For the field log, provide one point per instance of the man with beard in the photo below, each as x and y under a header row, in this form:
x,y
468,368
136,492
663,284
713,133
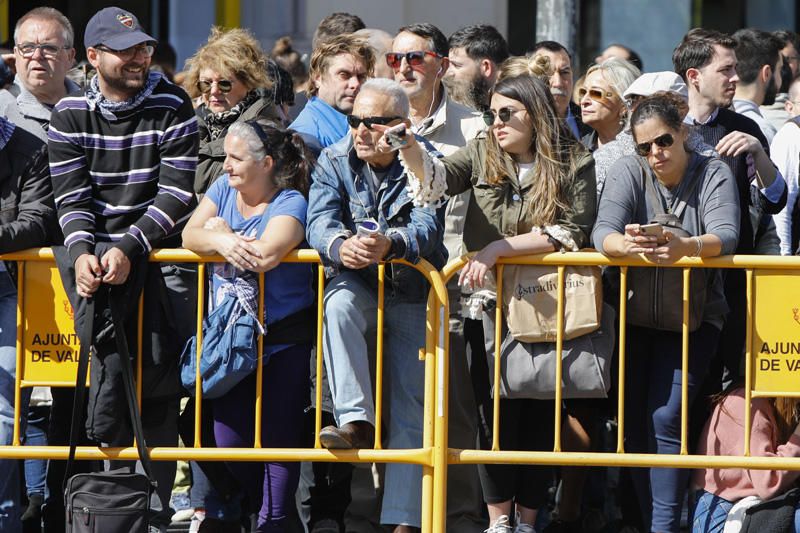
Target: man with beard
x,y
122,161
759,69
561,84
475,56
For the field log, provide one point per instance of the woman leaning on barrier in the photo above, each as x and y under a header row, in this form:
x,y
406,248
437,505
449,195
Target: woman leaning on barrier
x,y
725,493
228,76
253,215
533,191
693,199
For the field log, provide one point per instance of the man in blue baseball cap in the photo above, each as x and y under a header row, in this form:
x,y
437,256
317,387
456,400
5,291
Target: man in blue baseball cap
x,y
120,50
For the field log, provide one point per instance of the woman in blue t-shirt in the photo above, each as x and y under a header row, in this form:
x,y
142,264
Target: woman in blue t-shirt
x,y
253,216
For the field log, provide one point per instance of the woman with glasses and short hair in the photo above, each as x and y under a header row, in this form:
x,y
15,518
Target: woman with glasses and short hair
x,y
602,105
229,75
700,192
533,192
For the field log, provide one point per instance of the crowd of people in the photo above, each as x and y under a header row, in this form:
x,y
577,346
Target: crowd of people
x,y
408,146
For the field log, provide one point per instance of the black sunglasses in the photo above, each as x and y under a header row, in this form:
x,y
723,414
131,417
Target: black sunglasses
x,y
414,58
662,141
354,121
504,113
204,86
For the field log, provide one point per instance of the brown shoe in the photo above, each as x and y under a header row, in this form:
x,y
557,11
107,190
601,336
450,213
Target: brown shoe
x,y
358,434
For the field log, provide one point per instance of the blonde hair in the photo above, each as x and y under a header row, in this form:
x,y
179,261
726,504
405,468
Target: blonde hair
x,y
555,150
234,52
538,66
619,73
341,44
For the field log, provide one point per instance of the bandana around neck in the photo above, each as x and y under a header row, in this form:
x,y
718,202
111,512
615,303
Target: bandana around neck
x,y
110,108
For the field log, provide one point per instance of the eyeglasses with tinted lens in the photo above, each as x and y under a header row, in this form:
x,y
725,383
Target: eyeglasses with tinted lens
x,y
504,114
129,53
224,86
354,121
662,141
414,59
49,51
595,94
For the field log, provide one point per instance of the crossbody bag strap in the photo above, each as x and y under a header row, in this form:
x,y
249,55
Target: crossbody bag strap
x,y
649,187
687,193
85,336
117,316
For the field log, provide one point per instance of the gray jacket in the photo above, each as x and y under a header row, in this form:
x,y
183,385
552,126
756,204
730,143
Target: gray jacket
x,y
22,108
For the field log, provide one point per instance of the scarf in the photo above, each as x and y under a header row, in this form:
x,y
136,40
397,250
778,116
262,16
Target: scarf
x,y
6,131
109,108
217,123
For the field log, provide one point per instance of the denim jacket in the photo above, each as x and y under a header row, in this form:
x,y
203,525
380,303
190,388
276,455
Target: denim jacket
x,y
341,197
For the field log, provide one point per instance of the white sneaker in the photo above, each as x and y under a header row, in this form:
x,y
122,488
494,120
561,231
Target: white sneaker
x,y
197,519
501,525
523,528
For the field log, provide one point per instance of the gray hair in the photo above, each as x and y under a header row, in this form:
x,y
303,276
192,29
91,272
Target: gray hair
x,y
52,14
620,73
246,132
391,90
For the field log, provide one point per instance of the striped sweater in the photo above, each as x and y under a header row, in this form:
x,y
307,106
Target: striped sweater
x,y
124,178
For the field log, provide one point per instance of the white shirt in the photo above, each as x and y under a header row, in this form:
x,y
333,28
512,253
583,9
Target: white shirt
x,y
785,153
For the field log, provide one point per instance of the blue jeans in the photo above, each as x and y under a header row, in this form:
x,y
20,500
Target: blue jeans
x,y
36,435
653,413
350,320
711,511
9,473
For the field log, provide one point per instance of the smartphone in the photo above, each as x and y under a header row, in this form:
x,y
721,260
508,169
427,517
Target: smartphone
x,y
652,230
368,228
396,136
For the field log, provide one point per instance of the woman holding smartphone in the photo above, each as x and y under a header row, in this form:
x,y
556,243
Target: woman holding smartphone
x,y
534,192
623,227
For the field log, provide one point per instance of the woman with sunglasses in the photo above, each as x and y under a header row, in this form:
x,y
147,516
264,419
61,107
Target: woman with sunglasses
x,y
253,216
602,106
533,191
710,220
229,75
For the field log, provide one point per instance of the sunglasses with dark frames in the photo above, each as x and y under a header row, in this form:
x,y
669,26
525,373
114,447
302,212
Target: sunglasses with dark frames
x,y
414,58
595,94
504,114
354,121
224,86
662,141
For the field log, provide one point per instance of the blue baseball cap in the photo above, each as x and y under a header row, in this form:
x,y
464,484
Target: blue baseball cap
x,y
115,28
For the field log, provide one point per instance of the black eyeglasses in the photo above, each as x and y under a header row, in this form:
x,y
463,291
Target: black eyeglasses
x,y
224,86
49,51
595,94
504,114
414,58
129,53
354,121
662,141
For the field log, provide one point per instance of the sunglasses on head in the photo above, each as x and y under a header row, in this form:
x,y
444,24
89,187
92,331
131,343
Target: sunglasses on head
x,y
414,58
595,94
662,141
224,86
354,121
504,114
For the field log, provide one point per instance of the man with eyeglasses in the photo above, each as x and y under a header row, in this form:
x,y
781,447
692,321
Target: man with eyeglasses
x,y
360,214
122,160
420,60
43,53
338,68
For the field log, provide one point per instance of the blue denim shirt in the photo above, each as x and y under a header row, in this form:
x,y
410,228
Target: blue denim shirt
x,y
341,197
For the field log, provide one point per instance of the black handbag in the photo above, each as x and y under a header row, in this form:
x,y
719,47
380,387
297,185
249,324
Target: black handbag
x,y
117,500
655,294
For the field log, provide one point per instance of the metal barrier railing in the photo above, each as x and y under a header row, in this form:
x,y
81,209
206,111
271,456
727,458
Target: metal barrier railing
x,y
620,458
422,456
434,456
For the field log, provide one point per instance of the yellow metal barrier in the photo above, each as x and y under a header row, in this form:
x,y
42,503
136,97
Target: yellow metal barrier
x,y
422,456
753,265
